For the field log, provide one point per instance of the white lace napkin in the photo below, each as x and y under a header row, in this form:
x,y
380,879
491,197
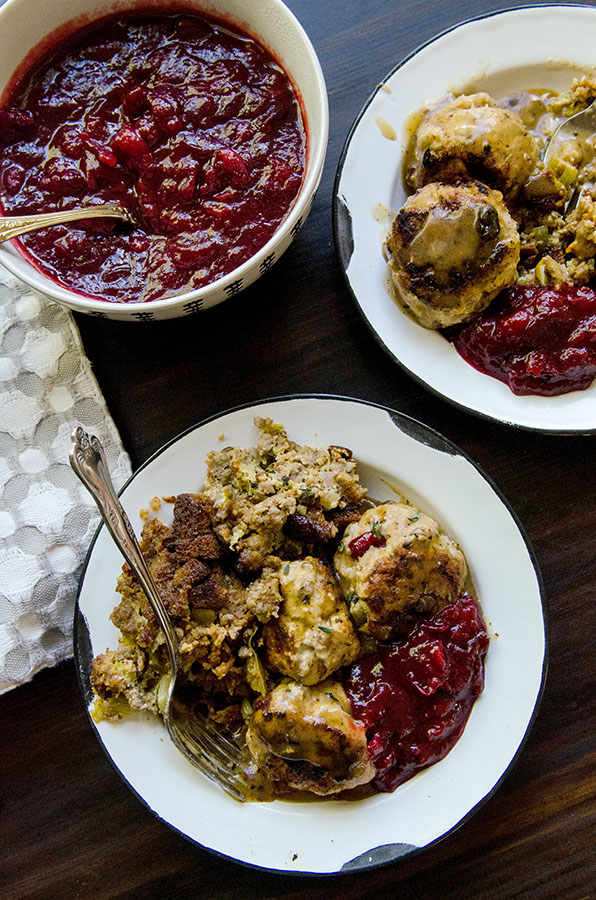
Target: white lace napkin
x,y
47,518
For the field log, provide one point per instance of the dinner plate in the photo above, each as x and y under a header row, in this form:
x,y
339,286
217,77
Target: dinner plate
x,y
529,47
396,455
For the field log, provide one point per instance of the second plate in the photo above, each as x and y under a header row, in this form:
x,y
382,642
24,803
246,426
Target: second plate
x,y
529,47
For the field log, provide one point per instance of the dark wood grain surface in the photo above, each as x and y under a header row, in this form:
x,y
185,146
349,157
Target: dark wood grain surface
x,y
70,828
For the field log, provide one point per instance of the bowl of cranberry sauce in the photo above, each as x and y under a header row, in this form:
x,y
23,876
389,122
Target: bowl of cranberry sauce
x,y
209,128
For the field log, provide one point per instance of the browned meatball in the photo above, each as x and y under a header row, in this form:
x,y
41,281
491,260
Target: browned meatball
x,y
304,738
472,138
452,249
409,569
313,634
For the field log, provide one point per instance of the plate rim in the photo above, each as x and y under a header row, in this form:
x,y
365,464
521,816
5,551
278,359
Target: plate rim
x,y
440,442
339,229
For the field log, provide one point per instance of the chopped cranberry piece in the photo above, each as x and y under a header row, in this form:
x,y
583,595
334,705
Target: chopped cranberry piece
x,y
165,111
199,109
12,178
60,178
148,129
233,165
359,545
135,101
103,153
428,666
131,148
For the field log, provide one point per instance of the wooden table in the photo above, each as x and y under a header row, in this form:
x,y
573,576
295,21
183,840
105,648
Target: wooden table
x,y
70,827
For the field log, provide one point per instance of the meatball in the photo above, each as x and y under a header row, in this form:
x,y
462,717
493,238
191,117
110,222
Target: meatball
x,y
313,634
304,738
472,138
396,566
451,250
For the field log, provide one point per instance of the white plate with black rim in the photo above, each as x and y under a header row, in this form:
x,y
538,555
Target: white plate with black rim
x,y
528,47
393,453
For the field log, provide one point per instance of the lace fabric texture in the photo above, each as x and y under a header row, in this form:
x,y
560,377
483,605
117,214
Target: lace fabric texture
x,y
47,518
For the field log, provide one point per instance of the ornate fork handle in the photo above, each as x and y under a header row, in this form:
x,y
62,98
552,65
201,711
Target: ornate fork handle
x,y
88,460
223,761
13,226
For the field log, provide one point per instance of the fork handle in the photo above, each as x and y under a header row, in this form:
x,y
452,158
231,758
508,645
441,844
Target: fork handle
x,y
14,226
88,460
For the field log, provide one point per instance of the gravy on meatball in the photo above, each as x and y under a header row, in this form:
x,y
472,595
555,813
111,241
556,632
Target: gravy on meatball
x,y
451,250
471,137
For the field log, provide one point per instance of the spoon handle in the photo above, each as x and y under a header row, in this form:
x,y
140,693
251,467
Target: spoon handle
x,y
87,458
13,226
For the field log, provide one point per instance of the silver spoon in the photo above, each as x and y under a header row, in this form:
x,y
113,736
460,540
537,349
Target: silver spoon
x,y
14,226
580,126
224,762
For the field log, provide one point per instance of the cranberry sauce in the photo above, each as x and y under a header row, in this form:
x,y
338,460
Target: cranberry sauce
x,y
538,340
415,697
195,129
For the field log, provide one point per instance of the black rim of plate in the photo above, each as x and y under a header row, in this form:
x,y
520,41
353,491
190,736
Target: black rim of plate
x,y
342,232
382,855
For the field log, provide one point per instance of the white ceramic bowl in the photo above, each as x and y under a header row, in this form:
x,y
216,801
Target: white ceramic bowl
x,y
22,28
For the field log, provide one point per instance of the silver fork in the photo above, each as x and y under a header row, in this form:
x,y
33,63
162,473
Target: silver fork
x,y
223,761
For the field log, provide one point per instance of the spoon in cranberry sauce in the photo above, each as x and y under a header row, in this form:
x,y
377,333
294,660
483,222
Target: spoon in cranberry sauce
x,y
14,226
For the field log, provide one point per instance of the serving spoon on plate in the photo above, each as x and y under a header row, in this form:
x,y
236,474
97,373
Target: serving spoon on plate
x,y
14,226
579,127
223,761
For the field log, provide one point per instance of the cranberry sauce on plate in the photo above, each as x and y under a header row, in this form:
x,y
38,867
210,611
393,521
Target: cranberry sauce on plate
x,y
538,340
415,697
195,129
